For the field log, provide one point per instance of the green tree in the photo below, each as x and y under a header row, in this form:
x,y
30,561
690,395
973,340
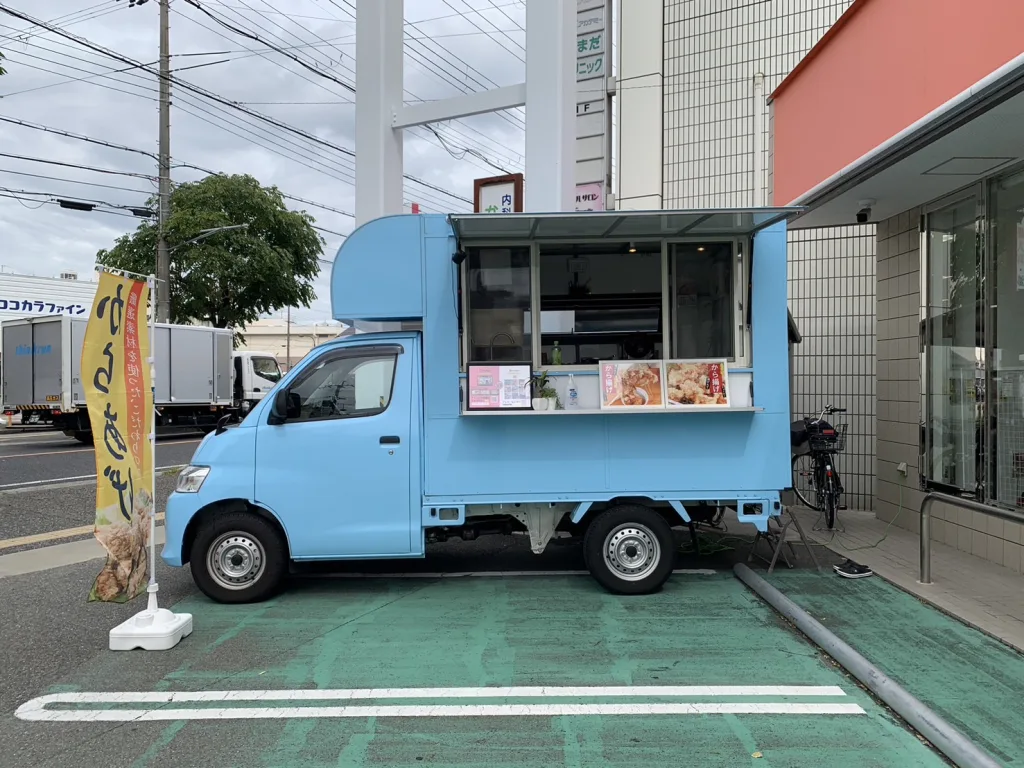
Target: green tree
x,y
231,278
1,65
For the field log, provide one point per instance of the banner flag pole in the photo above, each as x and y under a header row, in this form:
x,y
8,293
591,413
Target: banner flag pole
x,y
154,629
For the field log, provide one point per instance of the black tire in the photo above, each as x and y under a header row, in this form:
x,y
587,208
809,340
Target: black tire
x,y
801,474
254,546
831,501
638,527
85,438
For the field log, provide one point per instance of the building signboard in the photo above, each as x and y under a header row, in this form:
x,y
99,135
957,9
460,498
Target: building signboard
x,y
593,128
498,194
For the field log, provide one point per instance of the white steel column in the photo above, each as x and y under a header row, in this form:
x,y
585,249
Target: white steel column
x,y
379,86
550,105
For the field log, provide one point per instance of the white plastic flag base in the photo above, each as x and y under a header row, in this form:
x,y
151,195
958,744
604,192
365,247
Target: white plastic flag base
x,y
154,629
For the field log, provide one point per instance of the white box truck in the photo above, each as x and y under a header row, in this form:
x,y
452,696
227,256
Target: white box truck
x,y
199,379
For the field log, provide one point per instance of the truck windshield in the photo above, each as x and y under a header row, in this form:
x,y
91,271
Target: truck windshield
x,y
267,368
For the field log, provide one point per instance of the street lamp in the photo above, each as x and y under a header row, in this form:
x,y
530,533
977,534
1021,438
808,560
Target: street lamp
x,y
205,233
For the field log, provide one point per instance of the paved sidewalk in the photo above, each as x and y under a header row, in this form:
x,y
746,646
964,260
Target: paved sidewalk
x,y
970,679
980,593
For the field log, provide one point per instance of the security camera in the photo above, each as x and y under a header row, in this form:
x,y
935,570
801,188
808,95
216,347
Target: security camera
x,y
864,214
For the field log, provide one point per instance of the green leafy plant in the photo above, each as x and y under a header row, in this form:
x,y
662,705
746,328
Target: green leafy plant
x,y
2,72
542,388
230,278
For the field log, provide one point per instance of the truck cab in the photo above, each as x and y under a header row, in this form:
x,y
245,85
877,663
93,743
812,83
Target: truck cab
x,y
378,443
255,374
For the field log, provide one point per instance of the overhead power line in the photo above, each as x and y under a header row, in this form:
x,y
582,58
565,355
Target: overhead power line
x,y
92,168
209,94
52,197
73,181
258,39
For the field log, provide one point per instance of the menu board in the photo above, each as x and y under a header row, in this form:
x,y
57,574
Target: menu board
x,y
628,385
697,383
499,387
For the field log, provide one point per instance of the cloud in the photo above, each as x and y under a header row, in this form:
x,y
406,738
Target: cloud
x,y
121,108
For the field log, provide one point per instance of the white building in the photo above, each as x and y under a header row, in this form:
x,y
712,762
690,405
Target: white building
x,y
27,296
693,128
289,342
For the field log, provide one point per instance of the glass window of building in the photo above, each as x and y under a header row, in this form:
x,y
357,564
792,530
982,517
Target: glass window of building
x,y
1006,340
498,291
955,353
600,302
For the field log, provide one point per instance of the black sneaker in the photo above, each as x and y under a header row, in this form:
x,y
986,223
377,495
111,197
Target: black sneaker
x,y
852,570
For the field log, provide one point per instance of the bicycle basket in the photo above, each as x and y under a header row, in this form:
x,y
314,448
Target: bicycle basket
x,y
829,438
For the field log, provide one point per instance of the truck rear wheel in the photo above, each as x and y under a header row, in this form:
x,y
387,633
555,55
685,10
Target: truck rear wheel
x,y
629,550
238,557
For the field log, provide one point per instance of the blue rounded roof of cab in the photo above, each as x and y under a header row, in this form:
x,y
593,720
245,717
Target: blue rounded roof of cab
x,y
378,272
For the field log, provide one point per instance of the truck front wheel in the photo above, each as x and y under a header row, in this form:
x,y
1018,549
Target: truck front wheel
x,y
238,557
629,550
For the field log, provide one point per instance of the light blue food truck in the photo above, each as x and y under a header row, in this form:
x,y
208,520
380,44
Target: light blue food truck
x,y
607,376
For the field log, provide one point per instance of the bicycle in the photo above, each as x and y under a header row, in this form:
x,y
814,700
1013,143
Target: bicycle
x,y
815,472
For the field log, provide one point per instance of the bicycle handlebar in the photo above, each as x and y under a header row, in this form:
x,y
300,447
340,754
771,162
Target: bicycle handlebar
x,y
829,410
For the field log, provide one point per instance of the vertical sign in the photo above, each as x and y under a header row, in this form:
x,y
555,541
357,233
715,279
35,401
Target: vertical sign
x,y
117,381
593,111
498,194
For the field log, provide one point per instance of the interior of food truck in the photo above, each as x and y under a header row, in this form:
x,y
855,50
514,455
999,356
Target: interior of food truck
x,y
605,288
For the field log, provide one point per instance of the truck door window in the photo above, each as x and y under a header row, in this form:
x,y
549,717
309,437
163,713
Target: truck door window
x,y
345,387
266,368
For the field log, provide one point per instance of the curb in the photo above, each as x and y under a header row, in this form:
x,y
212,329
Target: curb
x,y
947,739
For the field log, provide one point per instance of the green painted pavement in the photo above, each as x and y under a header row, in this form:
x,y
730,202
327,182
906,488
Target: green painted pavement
x,y
477,632
973,681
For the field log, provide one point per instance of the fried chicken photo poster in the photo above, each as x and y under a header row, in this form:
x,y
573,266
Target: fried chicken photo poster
x,y
117,382
697,383
631,386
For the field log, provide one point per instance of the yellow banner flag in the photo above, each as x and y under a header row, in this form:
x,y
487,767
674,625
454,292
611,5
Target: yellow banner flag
x,y
116,377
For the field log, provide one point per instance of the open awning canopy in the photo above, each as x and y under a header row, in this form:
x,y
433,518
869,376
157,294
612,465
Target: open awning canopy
x,y
618,225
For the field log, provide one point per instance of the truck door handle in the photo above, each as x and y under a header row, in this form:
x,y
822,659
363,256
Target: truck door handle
x,y
390,440
255,389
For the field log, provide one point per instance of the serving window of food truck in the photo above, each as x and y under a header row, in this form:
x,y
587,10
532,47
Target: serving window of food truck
x,y
635,311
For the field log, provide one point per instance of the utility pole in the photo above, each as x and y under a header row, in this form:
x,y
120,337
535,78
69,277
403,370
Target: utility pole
x,y
163,254
288,340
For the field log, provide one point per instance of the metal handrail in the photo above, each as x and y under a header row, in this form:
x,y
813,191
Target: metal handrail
x,y
955,501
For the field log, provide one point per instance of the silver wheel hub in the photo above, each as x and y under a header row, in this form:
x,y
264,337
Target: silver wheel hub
x,y
236,560
632,552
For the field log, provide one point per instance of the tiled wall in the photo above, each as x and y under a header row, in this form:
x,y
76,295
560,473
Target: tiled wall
x,y
899,407
713,50
832,297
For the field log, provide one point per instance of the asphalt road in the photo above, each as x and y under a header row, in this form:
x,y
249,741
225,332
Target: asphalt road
x,y
34,458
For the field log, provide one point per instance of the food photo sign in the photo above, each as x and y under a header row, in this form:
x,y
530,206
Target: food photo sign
x,y
632,385
664,385
696,384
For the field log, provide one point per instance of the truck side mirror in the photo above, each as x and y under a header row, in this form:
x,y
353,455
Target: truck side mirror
x,y
287,405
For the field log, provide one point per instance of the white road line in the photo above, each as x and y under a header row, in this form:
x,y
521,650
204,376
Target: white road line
x,y
495,692
83,450
464,710
36,709
57,480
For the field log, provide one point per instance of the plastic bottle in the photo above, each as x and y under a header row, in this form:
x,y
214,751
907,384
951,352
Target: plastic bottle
x,y
574,396
556,355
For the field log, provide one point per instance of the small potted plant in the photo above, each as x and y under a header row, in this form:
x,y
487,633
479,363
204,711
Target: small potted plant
x,y
545,396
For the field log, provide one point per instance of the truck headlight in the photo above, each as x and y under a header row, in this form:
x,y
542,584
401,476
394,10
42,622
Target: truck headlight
x,y
191,479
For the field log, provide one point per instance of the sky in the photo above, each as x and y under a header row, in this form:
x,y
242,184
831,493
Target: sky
x,y
452,46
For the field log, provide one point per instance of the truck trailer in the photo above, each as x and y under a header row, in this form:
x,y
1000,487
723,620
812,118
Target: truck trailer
x,y
654,397
199,378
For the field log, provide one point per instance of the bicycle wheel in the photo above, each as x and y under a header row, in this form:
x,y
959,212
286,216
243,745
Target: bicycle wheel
x,y
804,480
831,501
